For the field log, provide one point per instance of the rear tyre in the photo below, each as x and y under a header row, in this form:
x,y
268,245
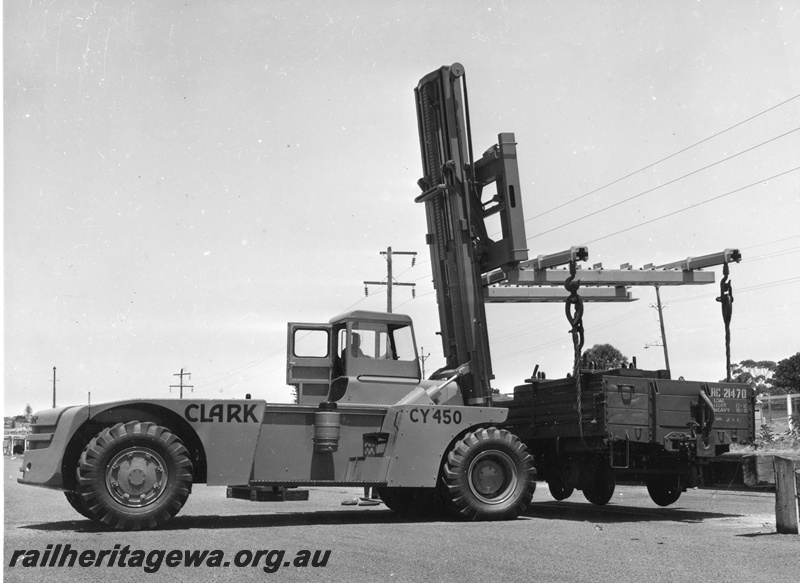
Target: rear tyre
x,y
488,475
134,476
393,498
598,487
411,501
665,489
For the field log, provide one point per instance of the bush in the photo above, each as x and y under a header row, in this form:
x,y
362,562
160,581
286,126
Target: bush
x,y
794,425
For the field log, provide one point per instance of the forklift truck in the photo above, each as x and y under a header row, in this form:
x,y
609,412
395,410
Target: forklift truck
x,y
365,416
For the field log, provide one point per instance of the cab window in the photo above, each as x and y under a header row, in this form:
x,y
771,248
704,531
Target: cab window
x,y
402,340
382,341
310,343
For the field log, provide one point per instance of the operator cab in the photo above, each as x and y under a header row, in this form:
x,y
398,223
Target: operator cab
x,y
358,357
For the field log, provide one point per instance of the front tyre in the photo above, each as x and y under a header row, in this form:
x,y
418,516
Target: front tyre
x,y
77,503
134,476
488,475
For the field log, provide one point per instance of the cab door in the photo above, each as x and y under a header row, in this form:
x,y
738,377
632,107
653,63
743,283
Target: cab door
x,y
309,361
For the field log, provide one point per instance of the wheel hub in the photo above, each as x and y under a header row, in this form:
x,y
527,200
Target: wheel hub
x,y
135,477
488,478
492,477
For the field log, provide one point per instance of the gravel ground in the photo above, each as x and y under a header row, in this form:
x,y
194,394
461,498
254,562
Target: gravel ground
x,y
708,535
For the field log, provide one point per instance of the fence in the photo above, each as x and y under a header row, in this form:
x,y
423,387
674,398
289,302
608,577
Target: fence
x,y
777,408
14,444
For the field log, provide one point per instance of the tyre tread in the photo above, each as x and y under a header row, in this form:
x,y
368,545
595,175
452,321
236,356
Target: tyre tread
x,y
90,480
457,496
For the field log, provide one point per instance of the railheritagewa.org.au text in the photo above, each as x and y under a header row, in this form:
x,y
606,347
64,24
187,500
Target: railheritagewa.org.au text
x,y
57,556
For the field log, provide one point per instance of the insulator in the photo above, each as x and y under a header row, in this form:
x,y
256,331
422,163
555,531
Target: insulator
x,y
366,291
413,260
413,292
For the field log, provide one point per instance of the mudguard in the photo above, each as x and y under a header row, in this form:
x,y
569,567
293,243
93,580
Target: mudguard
x,y
417,431
226,431
52,431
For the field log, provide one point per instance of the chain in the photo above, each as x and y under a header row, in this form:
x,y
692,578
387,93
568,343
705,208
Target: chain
x,y
726,299
574,311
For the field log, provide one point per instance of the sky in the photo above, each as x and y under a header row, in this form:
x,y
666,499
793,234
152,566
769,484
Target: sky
x,y
183,179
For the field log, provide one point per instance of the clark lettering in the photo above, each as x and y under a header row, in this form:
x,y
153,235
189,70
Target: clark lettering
x,y
220,413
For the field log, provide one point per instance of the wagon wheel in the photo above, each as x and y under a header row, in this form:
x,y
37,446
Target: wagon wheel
x,y
557,483
665,490
488,475
598,485
133,476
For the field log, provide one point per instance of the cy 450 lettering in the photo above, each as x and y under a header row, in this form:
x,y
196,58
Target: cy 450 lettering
x,y
442,416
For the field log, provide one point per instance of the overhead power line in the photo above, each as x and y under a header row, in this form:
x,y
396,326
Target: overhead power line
x,y
694,205
712,136
740,290
773,242
209,381
693,172
778,253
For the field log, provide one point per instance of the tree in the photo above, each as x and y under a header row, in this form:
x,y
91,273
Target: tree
x,y
28,411
786,379
756,373
604,357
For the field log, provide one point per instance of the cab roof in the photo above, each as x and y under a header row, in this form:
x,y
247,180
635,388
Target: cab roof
x,y
366,315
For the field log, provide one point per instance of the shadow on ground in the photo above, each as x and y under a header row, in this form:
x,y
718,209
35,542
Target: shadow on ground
x,y
613,513
267,520
569,511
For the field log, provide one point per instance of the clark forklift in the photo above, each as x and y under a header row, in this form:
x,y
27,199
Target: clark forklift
x,y
365,416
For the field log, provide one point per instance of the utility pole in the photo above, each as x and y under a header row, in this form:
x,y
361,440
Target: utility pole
x,y
54,387
661,323
181,385
422,358
389,283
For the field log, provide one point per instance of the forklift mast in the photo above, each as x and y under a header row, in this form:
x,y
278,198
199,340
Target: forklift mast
x,y
462,250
